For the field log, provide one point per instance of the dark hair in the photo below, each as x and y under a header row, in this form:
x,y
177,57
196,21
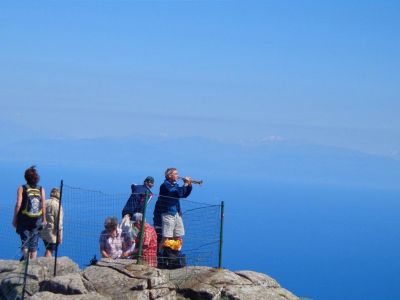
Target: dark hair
x,y
149,179
111,223
31,176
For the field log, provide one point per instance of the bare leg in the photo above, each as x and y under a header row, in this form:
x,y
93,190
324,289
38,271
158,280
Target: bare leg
x,y
33,254
25,252
47,253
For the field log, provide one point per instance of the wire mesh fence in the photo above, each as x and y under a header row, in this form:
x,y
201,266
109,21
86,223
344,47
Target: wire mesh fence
x,y
84,214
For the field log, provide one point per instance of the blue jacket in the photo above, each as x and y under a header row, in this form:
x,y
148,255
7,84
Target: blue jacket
x,y
135,203
168,200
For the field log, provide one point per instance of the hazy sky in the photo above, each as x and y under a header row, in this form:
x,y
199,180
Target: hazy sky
x,y
315,71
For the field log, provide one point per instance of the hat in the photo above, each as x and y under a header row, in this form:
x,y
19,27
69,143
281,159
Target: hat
x,y
149,179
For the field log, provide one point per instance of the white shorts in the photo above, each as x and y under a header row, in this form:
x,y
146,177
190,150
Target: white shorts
x,y
172,226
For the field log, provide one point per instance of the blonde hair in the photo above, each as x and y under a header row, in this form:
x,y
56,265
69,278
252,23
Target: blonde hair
x,y
55,193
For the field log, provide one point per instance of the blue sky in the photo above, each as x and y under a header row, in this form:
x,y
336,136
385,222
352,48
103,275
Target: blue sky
x,y
324,73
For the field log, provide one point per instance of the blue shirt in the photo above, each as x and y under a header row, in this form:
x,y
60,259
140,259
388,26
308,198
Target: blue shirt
x,y
168,201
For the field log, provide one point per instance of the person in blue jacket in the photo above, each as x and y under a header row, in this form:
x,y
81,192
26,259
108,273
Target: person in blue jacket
x,y
167,215
136,201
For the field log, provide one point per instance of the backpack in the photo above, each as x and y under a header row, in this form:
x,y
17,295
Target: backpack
x,y
171,259
32,201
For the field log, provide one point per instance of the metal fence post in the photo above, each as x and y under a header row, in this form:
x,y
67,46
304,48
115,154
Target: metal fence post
x,y
141,234
25,276
58,228
221,231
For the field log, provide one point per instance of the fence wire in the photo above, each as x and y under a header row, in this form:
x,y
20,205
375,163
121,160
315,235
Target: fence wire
x,y
85,212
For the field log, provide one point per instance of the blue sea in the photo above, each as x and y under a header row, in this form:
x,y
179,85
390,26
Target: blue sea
x,y
318,241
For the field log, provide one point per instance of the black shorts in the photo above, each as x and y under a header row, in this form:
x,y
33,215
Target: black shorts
x,y
50,246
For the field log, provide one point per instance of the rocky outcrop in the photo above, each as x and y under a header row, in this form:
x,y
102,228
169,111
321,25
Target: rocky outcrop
x,y
123,279
209,283
11,275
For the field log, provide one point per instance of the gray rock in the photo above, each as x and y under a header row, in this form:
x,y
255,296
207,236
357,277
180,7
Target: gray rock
x,y
159,282
223,284
11,286
11,278
180,276
255,293
209,283
7,266
115,284
259,279
51,296
12,282
69,284
201,291
124,279
115,263
162,294
88,285
12,272
46,264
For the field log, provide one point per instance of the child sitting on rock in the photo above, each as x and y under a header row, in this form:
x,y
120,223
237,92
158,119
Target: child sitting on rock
x,y
112,243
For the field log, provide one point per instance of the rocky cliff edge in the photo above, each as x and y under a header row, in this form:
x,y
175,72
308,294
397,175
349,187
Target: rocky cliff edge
x,y
122,279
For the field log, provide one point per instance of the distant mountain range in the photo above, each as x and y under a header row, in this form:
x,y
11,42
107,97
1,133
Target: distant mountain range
x,y
272,160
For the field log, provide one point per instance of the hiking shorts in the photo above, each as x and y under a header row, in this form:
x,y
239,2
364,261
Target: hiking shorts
x,y
30,240
50,246
172,225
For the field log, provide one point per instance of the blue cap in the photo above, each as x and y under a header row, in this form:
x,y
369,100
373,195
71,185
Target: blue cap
x,y
149,179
